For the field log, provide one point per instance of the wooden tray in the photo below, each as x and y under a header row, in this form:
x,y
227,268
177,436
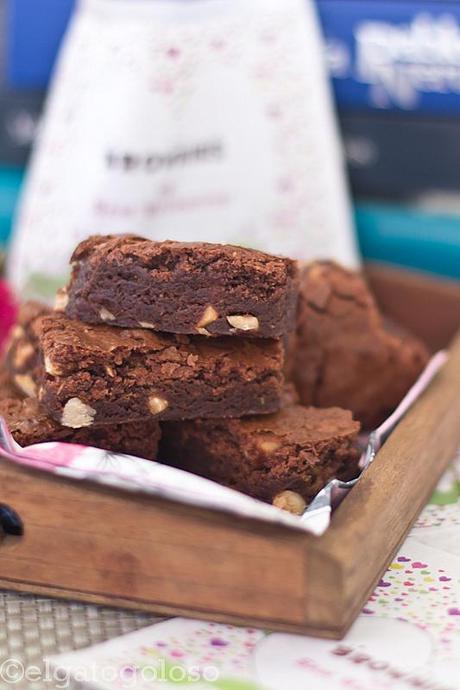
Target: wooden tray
x,y
102,545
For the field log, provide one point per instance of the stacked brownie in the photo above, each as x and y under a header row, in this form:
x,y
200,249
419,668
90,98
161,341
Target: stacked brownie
x,y
30,422
108,354
188,341
190,336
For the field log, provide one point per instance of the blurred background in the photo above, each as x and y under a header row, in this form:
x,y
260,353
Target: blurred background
x,y
395,73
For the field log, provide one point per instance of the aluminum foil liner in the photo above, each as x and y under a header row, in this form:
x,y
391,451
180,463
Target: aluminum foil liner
x,y
318,513
83,463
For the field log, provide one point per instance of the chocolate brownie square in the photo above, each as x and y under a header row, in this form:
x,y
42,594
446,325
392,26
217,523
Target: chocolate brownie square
x,y
89,375
29,423
177,287
298,449
344,354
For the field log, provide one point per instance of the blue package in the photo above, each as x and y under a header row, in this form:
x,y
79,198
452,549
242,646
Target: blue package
x,y
34,32
394,55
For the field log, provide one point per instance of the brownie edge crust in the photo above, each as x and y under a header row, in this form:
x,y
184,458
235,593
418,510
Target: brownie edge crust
x,y
180,287
298,449
102,375
29,423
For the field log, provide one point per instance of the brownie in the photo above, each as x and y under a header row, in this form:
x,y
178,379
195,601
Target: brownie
x,y
344,354
29,423
89,375
177,287
298,449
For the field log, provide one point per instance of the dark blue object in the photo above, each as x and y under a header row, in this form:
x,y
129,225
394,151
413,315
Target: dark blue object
x,y
396,156
34,32
10,521
395,55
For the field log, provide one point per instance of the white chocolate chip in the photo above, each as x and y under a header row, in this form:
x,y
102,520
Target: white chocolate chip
x,y
156,404
17,332
146,324
268,445
290,501
77,414
51,368
23,352
209,316
203,331
106,315
110,371
244,322
26,384
62,299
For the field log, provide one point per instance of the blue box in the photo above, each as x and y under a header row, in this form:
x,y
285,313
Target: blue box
x,y
394,55
34,32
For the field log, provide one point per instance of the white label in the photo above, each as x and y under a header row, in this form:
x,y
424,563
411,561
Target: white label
x,y
208,120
